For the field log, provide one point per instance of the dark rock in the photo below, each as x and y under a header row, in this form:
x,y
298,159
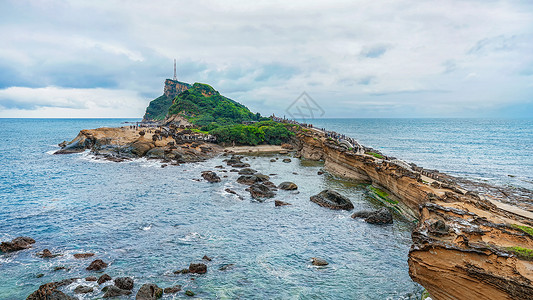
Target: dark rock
x,y
39,275
182,271
113,291
272,160
149,291
198,268
380,216
125,283
91,278
189,293
20,243
318,261
172,290
210,176
83,289
288,186
104,278
286,160
280,203
332,200
240,165
319,172
49,292
247,171
219,167
97,265
61,268
47,254
260,191
251,179
206,258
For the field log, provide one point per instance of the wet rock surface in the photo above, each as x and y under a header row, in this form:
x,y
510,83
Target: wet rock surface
x,y
211,176
125,283
104,278
260,191
113,291
281,203
381,216
332,200
149,291
199,268
288,186
97,265
19,243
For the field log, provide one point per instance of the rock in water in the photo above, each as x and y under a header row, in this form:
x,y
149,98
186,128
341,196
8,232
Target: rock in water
x,y
210,176
280,203
97,265
83,289
332,200
104,278
318,261
113,291
149,291
172,290
49,292
206,258
260,191
380,216
47,254
288,186
286,160
91,278
125,283
198,268
247,171
20,243
83,255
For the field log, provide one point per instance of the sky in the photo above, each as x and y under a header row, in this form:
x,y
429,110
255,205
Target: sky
x,y
354,59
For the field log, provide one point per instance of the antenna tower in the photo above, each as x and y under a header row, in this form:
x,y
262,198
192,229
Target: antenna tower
x,y
175,77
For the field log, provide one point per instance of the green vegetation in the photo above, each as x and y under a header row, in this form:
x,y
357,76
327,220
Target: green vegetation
x,y
376,155
158,108
521,252
382,195
268,132
206,108
525,229
425,295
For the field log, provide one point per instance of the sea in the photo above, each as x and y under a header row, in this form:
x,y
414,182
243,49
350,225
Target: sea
x,y
147,221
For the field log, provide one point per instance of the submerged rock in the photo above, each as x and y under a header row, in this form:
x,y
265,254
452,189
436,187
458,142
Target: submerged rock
x,y
19,243
198,268
97,265
286,160
104,278
288,186
125,283
189,293
319,261
247,171
207,258
251,179
49,291
380,216
113,291
47,254
280,203
91,278
226,267
210,176
172,290
83,255
149,291
260,191
83,289
332,200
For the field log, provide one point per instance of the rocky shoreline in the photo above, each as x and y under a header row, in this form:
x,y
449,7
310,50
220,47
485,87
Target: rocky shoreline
x,y
465,235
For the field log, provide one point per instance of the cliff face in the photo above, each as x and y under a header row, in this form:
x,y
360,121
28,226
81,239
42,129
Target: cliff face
x,y
174,88
465,246
157,110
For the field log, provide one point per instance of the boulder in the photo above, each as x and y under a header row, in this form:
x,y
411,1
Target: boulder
x,y
104,278
172,290
198,268
380,216
113,291
247,171
49,291
156,153
280,203
189,293
83,289
210,176
125,283
318,261
91,278
286,160
149,291
288,186
20,243
47,254
97,265
332,200
83,255
260,191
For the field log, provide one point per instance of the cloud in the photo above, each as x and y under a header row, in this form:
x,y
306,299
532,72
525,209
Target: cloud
x,y
79,102
265,54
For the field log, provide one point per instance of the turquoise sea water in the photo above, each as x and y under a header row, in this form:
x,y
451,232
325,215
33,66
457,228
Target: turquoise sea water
x,y
148,221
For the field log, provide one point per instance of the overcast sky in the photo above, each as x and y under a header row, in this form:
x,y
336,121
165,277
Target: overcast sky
x,y
367,58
